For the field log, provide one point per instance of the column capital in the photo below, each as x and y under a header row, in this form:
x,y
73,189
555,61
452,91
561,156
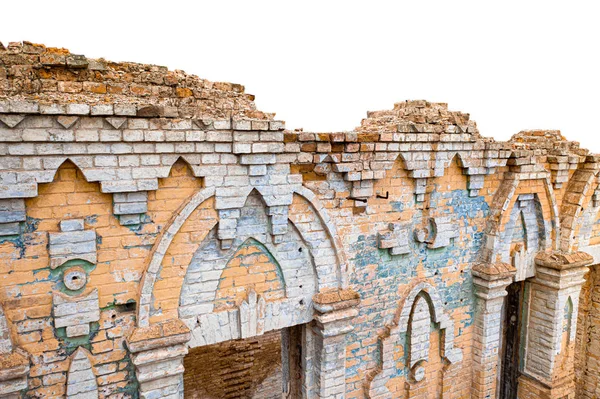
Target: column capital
x,y
157,354
491,279
561,270
489,272
162,335
334,311
563,261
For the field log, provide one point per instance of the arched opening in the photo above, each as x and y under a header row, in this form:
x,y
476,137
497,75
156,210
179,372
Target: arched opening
x,y
425,355
512,331
424,334
248,307
525,234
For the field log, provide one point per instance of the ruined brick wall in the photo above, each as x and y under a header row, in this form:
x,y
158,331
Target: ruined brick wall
x,y
248,368
151,221
55,76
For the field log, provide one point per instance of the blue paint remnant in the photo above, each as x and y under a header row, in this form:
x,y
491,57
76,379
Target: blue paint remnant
x,y
397,206
31,224
378,276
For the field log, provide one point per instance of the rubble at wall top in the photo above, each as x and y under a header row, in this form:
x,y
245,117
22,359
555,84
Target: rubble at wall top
x,y
419,116
35,74
55,76
551,140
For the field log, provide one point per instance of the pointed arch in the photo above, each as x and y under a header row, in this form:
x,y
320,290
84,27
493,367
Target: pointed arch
x,y
226,288
173,159
49,175
420,290
343,270
568,320
331,269
502,216
576,199
180,159
443,160
160,250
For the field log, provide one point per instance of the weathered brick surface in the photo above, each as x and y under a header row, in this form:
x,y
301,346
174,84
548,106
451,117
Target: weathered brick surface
x,y
146,213
32,71
249,368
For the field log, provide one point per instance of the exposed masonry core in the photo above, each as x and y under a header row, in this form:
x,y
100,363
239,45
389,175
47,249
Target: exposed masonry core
x,y
249,368
160,237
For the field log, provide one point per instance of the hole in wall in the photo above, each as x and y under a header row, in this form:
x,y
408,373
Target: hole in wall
x,y
126,307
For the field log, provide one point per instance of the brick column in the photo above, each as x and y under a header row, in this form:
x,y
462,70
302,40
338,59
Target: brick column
x,y
490,282
548,370
333,320
157,353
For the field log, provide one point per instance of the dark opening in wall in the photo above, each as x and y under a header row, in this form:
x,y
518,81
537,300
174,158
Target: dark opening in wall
x,y
245,369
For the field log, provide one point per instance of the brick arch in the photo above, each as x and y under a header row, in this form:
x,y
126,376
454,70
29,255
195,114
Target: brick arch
x,y
501,209
537,236
278,281
153,268
254,254
576,199
342,270
410,165
160,249
386,364
589,218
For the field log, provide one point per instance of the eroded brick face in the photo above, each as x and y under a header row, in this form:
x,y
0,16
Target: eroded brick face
x,y
248,368
162,238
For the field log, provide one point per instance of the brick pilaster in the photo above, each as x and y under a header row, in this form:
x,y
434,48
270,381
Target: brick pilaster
x,y
335,311
548,365
158,353
490,281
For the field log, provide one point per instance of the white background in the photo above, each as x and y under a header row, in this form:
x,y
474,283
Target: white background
x,y
321,65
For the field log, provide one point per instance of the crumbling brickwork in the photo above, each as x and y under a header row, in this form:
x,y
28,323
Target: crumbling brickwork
x,y
248,368
157,230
